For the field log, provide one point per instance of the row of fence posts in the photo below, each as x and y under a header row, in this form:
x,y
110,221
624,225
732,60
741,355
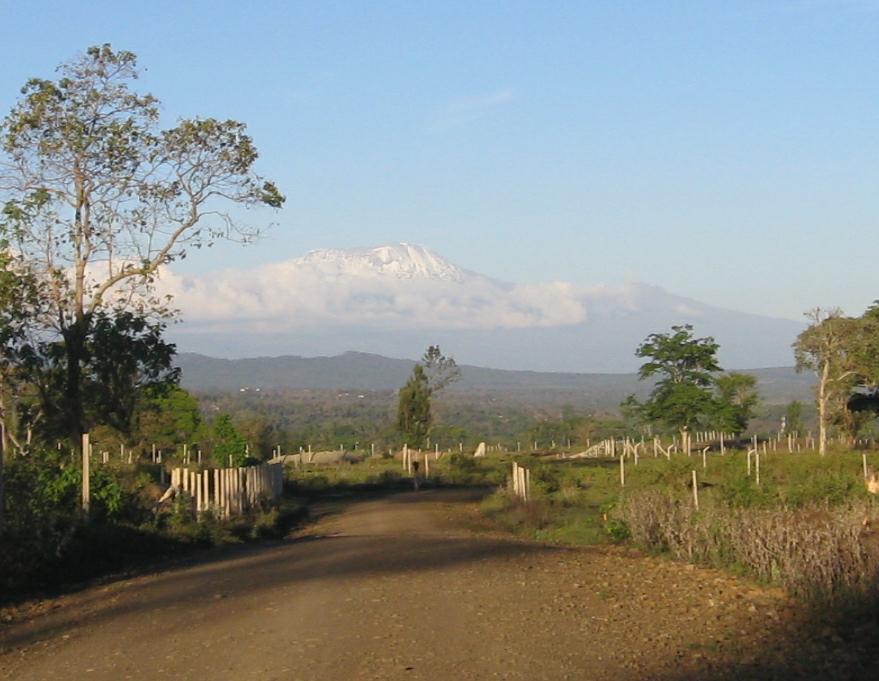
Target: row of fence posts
x,y
608,447
411,459
612,447
230,491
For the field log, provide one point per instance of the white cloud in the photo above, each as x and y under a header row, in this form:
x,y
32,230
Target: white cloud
x,y
296,294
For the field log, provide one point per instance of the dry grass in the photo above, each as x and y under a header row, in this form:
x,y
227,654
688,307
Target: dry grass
x,y
822,552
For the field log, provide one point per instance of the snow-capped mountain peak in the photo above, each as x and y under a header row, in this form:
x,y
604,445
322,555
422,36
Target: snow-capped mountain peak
x,y
401,261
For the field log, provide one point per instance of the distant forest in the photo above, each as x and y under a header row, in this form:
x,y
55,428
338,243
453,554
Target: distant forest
x,y
328,419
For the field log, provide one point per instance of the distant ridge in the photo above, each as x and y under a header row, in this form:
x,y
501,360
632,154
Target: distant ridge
x,y
371,372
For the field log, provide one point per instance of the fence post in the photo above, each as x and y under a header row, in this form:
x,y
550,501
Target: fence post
x,y
695,491
757,471
216,505
198,500
86,474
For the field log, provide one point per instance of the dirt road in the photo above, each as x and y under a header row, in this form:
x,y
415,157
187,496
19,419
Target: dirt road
x,y
411,587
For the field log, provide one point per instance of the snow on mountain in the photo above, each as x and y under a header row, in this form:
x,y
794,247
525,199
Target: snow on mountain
x,y
403,261
398,299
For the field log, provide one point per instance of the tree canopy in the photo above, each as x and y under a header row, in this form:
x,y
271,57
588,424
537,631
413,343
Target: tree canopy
x,y
684,366
441,371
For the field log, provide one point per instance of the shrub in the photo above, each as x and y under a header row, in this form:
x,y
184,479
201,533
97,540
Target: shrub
x,y
617,529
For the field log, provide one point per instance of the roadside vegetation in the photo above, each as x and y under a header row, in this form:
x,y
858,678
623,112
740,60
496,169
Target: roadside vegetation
x,y
810,525
48,544
96,198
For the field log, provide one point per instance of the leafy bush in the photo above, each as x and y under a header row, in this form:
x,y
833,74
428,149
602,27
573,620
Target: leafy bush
x,y
617,529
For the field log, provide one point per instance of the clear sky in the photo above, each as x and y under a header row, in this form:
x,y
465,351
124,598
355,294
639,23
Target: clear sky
x,y
728,151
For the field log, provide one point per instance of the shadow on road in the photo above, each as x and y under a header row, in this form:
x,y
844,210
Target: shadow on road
x,y
816,644
242,573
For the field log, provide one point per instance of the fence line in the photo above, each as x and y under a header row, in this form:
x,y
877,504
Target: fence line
x,y
228,491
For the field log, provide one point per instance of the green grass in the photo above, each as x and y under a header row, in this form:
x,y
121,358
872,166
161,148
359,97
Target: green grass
x,y
574,500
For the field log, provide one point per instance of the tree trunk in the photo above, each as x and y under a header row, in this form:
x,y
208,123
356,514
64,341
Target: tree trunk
x,y
822,409
74,349
2,462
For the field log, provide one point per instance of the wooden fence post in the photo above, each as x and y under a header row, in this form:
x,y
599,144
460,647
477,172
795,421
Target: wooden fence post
x,y
86,475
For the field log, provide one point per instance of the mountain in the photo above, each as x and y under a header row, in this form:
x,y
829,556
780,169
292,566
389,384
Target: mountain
x,y
367,372
397,300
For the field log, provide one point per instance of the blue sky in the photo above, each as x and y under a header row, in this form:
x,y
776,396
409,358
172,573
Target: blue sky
x,y
728,151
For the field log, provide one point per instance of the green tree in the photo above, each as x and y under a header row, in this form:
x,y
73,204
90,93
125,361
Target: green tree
x,y
259,433
98,199
226,443
735,402
793,417
19,300
169,420
413,410
124,361
866,350
684,367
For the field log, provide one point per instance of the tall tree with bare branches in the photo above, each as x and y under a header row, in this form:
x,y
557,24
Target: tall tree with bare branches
x,y
829,348
97,197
